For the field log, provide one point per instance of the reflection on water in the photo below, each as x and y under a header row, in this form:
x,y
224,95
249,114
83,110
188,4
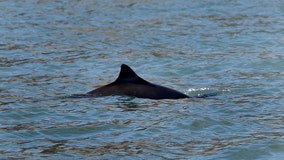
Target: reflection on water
x,y
50,50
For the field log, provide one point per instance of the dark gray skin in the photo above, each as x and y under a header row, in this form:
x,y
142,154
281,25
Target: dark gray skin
x,y
129,83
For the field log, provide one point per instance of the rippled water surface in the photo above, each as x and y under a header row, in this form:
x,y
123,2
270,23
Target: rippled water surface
x,y
52,49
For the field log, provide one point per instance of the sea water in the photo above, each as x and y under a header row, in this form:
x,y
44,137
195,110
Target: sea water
x,y
52,49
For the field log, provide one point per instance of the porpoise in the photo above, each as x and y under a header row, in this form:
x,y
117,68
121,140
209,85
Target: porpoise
x,y
128,83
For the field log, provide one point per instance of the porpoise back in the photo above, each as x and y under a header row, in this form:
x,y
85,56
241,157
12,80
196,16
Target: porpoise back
x,y
128,83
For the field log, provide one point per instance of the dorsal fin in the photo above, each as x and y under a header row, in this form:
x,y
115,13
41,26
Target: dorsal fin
x,y
127,75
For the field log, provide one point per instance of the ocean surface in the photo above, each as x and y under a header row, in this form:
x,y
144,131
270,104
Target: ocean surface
x,y
50,50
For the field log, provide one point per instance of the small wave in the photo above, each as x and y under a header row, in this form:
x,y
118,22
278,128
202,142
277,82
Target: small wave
x,y
205,92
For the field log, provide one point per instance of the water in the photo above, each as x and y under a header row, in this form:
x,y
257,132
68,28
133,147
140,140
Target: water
x,y
52,49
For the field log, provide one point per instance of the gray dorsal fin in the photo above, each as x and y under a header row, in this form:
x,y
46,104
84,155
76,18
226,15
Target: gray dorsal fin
x,y
127,75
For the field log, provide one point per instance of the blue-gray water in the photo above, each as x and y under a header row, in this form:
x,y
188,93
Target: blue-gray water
x,y
52,49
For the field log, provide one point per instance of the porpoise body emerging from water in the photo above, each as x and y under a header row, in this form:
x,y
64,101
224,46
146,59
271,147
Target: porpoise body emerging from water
x,y
129,83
